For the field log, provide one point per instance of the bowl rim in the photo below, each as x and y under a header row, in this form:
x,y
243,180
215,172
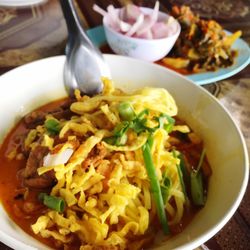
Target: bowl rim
x,y
13,242
144,40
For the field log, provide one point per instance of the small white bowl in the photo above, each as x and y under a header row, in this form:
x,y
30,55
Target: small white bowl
x,y
140,48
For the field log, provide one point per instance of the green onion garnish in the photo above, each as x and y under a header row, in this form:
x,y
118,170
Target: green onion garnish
x,y
126,111
155,187
52,126
196,182
53,202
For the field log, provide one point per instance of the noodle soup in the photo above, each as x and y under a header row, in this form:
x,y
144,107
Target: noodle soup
x,y
108,172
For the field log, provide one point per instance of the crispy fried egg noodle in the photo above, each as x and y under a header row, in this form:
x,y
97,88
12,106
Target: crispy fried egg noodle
x,y
107,194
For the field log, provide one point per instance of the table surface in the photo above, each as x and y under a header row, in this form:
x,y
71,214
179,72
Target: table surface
x,y
34,32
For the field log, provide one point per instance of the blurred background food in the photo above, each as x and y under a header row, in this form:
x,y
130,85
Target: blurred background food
x,y
203,45
39,31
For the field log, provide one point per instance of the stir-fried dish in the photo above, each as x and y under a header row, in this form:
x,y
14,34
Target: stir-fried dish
x,y
203,45
103,172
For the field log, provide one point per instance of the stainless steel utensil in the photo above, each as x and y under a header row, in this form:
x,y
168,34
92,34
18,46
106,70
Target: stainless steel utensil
x,y
84,64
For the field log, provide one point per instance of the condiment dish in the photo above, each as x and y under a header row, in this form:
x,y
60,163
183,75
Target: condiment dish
x,y
141,48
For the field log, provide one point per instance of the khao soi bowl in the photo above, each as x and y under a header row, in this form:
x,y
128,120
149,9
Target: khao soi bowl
x,y
30,86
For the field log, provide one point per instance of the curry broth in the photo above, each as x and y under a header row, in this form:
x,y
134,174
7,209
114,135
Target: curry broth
x,y
12,189
11,186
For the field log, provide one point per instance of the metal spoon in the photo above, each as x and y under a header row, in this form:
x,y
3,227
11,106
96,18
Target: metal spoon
x,y
84,64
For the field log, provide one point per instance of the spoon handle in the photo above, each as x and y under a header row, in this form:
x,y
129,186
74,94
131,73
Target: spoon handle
x,y
70,15
73,23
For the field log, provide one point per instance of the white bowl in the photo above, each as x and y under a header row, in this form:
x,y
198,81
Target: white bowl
x,y
145,49
27,87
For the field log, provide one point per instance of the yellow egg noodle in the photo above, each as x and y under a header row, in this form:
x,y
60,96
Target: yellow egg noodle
x,y
112,193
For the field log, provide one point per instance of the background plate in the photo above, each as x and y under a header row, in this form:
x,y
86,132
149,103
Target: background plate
x,y
15,3
97,36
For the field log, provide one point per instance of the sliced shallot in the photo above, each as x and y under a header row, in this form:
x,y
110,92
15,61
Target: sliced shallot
x,y
132,21
58,158
150,20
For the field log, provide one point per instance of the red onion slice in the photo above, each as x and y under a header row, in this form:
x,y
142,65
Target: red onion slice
x,y
132,21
